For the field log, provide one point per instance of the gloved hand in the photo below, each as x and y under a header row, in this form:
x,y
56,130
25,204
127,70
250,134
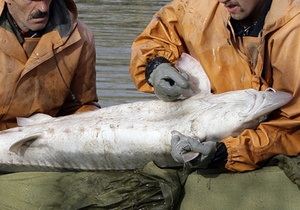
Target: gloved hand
x,y
190,150
168,83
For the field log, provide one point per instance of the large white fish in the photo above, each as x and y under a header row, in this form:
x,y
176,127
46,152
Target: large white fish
x,y
128,136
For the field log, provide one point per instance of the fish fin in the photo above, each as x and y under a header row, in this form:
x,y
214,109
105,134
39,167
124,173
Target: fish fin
x,y
198,78
21,146
34,119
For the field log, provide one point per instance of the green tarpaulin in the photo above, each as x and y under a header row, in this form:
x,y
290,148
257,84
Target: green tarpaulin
x,y
149,188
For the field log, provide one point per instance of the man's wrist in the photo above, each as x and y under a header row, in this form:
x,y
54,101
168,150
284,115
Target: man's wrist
x,y
220,158
151,65
218,161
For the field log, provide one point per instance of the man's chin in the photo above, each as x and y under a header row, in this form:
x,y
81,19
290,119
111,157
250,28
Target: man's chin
x,y
37,27
236,17
239,16
38,24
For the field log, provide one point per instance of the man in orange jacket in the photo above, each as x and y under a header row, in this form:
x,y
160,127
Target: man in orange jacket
x,y
47,60
241,44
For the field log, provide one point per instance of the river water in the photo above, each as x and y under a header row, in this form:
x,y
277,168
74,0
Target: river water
x,y
115,24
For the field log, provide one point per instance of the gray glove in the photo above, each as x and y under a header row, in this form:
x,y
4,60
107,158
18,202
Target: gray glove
x,y
190,150
168,83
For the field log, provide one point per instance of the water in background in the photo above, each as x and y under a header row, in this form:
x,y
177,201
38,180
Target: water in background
x,y
116,23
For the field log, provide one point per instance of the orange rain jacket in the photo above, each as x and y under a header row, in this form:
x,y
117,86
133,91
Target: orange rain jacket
x,y
202,29
38,83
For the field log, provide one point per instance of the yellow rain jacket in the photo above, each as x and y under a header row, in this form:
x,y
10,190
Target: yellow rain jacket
x,y
202,29
62,62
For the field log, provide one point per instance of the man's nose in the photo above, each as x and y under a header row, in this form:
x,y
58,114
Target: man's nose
x,y
223,1
43,6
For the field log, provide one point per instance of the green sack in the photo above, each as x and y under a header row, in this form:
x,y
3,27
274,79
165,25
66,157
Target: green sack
x,y
149,188
290,165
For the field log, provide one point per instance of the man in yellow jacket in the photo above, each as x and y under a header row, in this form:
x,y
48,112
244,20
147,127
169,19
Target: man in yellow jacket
x,y
241,44
47,58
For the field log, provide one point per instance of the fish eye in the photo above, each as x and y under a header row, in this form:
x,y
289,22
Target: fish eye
x,y
270,89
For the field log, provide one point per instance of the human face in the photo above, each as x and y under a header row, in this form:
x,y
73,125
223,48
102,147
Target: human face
x,y
247,10
29,14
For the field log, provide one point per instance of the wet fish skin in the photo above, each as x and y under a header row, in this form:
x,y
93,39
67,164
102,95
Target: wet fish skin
x,y
128,136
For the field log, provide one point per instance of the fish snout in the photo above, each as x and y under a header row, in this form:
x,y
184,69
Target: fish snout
x,y
277,98
264,102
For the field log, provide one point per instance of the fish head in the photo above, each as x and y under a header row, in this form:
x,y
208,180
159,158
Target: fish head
x,y
230,113
262,103
240,110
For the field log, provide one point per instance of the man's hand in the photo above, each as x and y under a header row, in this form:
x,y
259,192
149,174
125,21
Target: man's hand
x,y
168,83
185,149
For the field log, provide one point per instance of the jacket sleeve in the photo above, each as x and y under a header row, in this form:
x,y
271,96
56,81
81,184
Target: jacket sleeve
x,y
83,85
160,38
281,133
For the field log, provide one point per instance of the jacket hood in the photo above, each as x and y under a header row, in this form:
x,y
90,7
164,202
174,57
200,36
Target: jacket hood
x,y
280,13
71,7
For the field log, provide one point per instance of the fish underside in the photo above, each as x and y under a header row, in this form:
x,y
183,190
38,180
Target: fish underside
x,y
128,136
